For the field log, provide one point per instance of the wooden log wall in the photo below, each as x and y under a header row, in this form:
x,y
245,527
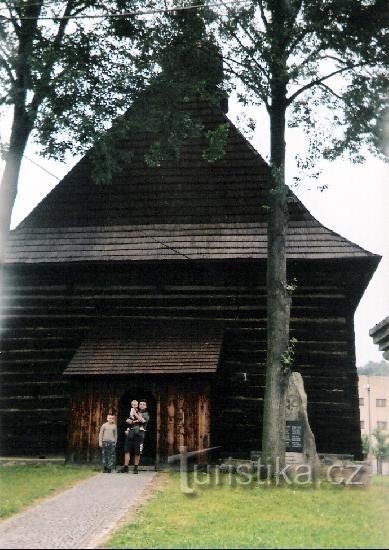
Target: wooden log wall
x,y
88,411
49,311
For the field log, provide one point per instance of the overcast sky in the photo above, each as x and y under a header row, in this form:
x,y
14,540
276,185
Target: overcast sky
x,y
355,205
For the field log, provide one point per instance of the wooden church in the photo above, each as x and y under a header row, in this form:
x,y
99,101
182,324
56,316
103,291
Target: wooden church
x,y
154,287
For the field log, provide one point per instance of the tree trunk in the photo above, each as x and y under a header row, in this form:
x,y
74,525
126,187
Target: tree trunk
x,y
23,119
20,132
278,297
21,128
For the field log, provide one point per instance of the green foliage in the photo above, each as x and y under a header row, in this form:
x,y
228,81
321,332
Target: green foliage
x,y
189,68
265,517
217,141
22,485
381,444
78,77
291,286
107,157
374,368
77,74
365,444
287,357
190,54
328,62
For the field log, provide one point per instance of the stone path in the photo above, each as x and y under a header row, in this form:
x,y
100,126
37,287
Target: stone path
x,y
78,517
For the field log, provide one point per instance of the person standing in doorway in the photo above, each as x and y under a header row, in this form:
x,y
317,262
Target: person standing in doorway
x,y
135,417
133,444
107,443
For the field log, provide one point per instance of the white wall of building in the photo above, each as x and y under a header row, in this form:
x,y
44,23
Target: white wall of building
x,y
374,407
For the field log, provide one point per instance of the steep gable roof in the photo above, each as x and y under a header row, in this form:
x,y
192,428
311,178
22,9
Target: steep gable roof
x,y
189,190
189,208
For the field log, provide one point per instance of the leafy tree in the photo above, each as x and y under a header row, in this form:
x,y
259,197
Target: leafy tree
x,y
308,62
69,77
365,444
380,447
66,74
373,368
191,67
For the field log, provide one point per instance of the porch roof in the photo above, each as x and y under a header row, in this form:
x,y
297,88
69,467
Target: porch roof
x,y
157,353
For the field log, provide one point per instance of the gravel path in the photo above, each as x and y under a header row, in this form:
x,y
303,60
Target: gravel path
x,y
78,517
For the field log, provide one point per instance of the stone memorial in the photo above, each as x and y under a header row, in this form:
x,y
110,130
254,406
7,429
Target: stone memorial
x,y
300,442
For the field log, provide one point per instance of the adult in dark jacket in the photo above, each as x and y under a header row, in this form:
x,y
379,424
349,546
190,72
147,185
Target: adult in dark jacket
x,y
135,437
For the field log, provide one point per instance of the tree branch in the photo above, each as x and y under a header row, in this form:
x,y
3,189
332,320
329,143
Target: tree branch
x,y
62,24
244,29
309,57
5,53
262,70
22,62
334,58
43,87
248,83
297,40
326,87
263,16
244,48
322,79
232,71
12,17
292,27
4,63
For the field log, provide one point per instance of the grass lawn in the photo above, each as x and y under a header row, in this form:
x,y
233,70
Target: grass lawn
x,y
261,517
22,485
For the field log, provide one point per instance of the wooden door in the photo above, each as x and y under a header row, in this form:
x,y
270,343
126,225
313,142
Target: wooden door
x,y
184,421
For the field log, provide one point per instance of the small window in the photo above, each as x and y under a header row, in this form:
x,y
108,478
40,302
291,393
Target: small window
x,y
380,402
361,402
362,424
382,425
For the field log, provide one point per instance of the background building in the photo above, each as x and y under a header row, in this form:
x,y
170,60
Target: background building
x,y
374,406
380,335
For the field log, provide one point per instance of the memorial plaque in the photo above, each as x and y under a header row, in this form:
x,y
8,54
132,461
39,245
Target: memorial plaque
x,y
294,436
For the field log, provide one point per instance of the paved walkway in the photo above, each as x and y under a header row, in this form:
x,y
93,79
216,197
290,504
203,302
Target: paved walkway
x,y
78,517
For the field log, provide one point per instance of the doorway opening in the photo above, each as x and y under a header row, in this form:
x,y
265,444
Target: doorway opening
x,y
148,457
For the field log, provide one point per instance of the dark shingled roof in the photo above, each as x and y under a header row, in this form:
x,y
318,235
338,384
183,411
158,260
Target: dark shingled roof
x,y
189,208
306,239
148,354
